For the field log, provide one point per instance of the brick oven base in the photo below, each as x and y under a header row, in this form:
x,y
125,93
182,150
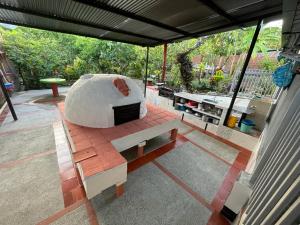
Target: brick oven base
x,y
100,164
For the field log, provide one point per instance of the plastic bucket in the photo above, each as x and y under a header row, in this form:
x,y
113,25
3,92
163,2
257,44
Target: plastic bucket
x,y
232,121
182,107
9,86
246,126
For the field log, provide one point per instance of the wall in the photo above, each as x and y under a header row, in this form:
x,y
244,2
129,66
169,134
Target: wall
x,y
234,136
283,103
262,107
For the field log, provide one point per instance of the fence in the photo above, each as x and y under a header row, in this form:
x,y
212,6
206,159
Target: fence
x,y
255,83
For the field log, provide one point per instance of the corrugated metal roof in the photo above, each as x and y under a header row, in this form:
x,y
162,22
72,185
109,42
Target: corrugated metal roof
x,y
291,28
141,22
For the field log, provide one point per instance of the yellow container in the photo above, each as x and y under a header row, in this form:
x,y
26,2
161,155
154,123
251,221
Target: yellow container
x,y
232,121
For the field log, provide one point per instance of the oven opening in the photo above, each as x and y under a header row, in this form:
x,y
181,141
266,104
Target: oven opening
x,y
126,113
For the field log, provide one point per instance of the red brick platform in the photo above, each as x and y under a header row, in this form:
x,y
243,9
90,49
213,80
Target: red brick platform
x,y
92,147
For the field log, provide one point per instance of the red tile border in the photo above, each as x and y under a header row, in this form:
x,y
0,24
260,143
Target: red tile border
x,y
73,192
225,141
238,147
71,185
209,152
225,188
242,158
61,213
183,185
239,164
14,163
217,219
91,213
217,204
72,188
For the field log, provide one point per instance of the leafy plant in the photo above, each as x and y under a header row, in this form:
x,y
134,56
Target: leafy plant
x,y
202,86
224,85
270,64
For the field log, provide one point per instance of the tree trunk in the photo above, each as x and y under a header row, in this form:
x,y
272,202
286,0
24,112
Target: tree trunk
x,y
232,64
241,57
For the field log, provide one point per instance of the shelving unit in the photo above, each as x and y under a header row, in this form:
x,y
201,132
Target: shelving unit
x,y
204,110
210,109
208,114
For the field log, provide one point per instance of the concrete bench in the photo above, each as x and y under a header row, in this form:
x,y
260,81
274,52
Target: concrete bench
x,y
117,175
139,138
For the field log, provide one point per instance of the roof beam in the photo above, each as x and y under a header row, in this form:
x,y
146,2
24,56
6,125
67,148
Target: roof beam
x,y
214,7
77,22
106,7
226,26
68,32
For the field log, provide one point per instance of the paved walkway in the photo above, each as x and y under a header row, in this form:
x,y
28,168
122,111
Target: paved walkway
x,y
39,183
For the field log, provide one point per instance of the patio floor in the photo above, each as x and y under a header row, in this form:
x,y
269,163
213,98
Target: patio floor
x,y
183,182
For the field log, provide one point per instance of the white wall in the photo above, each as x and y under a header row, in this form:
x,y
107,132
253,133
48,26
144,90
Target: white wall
x,y
275,118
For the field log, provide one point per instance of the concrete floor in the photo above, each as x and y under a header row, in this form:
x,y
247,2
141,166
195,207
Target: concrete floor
x,y
29,173
27,150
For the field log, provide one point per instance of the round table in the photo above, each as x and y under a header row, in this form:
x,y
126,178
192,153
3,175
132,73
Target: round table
x,y
54,83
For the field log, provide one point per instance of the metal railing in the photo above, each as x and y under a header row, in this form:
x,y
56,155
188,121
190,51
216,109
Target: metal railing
x,y
255,83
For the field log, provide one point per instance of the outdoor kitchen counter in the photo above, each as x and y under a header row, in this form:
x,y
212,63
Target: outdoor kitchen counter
x,y
241,104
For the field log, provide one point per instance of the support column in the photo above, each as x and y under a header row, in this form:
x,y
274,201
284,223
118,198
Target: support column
x,y
164,67
140,151
119,189
146,71
54,90
7,98
141,146
248,57
174,134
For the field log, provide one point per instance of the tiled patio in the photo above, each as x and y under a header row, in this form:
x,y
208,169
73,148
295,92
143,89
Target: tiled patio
x,y
182,182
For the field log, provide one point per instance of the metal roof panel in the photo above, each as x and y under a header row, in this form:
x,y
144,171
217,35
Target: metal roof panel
x,y
142,22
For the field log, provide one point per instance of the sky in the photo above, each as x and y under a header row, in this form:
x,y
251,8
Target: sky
x,y
9,26
275,23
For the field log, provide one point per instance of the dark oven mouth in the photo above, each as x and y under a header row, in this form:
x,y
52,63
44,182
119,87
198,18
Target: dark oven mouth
x,y
126,113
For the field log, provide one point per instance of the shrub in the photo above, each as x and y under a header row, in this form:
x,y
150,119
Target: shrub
x,y
202,85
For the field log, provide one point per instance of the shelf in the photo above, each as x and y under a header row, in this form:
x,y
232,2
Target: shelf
x,y
199,118
207,113
192,107
199,111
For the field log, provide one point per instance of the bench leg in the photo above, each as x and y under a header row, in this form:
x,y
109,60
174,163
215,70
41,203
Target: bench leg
x,y
140,151
119,190
174,134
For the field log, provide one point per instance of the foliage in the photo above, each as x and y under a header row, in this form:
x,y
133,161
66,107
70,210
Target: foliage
x,y
224,85
38,54
201,67
270,64
218,76
185,70
201,86
173,78
186,67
